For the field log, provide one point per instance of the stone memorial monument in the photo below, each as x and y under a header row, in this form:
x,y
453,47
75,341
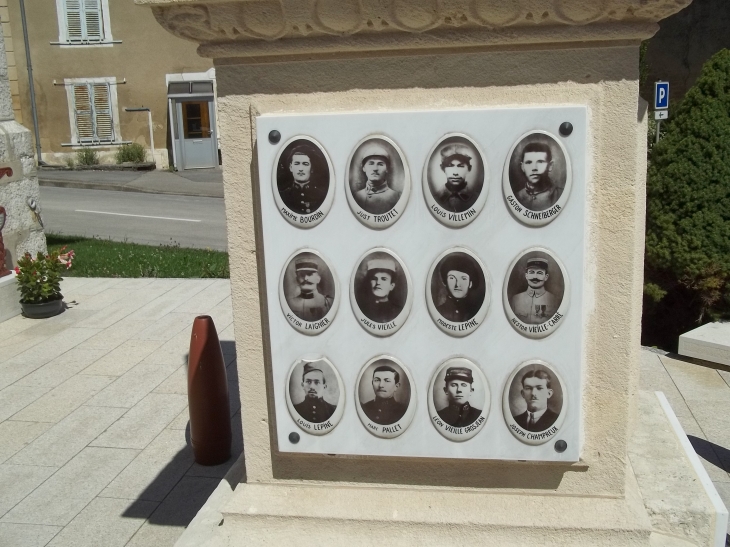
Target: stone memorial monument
x,y
23,230
436,223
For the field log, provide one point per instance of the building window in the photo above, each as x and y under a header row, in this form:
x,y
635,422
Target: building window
x,y
93,111
83,22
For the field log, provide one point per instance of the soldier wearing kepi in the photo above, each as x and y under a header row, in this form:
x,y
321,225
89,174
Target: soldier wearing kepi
x,y
380,282
377,197
314,408
459,274
456,164
458,386
306,193
535,305
384,409
309,304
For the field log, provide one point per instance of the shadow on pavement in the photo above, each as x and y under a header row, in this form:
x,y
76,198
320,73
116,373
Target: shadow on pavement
x,y
717,455
184,486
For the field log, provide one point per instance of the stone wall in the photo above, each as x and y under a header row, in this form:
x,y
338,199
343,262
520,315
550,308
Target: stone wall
x,y
684,42
23,231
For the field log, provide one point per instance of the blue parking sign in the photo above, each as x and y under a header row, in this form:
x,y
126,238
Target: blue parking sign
x,y
661,95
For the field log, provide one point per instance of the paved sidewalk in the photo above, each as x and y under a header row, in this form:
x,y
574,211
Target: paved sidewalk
x,y
93,415
193,182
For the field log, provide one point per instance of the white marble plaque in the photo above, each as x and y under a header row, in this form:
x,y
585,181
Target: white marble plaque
x,y
409,330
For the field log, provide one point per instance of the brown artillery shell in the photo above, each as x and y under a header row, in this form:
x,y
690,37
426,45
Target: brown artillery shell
x,y
210,415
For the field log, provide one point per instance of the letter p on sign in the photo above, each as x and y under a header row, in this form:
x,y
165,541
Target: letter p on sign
x,y
661,95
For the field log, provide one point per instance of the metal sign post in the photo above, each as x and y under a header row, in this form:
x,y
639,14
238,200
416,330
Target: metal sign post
x,y
661,104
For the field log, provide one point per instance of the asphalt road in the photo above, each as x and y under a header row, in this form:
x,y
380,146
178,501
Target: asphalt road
x,y
151,219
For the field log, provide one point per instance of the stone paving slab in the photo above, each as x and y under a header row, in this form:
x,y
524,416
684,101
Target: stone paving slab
x,y
94,436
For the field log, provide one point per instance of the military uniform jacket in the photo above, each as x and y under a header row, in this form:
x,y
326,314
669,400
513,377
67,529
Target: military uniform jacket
x,y
384,411
304,198
458,310
377,200
311,307
315,410
532,307
455,202
545,421
380,312
459,415
541,198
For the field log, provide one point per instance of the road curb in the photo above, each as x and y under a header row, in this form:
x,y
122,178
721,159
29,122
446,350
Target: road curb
x,y
120,188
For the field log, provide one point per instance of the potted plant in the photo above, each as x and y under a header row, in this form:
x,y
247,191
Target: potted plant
x,y
39,282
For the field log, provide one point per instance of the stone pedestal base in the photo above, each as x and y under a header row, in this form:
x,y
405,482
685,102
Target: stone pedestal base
x,y
9,297
710,342
667,503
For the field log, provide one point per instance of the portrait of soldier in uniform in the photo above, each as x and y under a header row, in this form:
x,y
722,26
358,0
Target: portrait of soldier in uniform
x,y
459,387
538,172
302,177
455,176
537,390
309,291
464,282
456,164
376,176
377,295
313,407
384,408
536,304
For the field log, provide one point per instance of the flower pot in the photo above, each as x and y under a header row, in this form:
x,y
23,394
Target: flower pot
x,y
44,309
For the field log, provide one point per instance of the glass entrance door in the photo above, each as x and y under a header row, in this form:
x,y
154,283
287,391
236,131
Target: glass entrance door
x,y
196,127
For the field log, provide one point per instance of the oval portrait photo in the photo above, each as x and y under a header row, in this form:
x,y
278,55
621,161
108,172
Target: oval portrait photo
x,y
458,291
377,182
304,182
536,292
534,403
386,397
381,292
537,178
455,180
309,292
315,395
459,399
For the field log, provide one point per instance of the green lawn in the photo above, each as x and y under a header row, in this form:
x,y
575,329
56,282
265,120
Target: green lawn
x,y
104,258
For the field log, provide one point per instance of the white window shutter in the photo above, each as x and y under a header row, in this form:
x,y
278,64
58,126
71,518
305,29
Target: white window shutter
x,y
84,21
92,16
74,21
84,112
103,113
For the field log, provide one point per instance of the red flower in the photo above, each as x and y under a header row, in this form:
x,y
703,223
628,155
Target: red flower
x,y
17,270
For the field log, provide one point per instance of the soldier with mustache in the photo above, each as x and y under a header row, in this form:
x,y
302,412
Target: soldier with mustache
x,y
306,191
535,305
314,408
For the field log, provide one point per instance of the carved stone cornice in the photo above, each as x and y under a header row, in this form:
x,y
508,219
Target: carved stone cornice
x,y
268,30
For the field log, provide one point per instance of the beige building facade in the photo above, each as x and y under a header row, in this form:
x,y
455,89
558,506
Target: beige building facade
x,y
93,61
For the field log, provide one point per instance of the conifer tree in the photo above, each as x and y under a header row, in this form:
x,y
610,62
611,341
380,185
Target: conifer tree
x,y
687,262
